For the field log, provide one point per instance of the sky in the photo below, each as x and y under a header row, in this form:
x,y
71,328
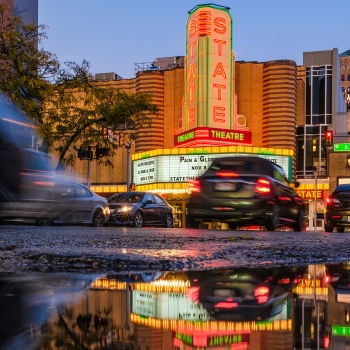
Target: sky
x,y
113,35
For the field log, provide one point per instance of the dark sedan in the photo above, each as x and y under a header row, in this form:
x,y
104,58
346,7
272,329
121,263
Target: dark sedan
x,y
337,212
244,191
139,209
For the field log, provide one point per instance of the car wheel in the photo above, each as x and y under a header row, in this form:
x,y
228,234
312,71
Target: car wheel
x,y
328,228
192,222
98,218
298,226
341,229
44,222
168,221
138,220
273,221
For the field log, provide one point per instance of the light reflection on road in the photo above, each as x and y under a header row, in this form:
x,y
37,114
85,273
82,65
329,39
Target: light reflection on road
x,y
234,308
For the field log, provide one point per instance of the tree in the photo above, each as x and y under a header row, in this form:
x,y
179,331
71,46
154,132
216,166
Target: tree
x,y
64,100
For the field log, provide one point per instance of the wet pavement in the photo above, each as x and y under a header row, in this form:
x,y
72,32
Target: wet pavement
x,y
77,287
107,249
243,308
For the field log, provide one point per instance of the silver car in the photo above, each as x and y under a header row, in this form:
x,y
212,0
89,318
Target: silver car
x,y
47,197
59,203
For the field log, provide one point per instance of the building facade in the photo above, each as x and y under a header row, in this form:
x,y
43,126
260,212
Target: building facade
x,y
207,106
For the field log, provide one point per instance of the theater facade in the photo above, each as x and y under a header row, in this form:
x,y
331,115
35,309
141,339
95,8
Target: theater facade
x,y
210,106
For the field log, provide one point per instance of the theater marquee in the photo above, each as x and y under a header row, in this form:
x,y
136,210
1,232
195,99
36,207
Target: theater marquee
x,y
184,167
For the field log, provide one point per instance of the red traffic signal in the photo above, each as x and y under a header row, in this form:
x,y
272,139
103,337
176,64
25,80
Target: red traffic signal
x,y
101,152
329,137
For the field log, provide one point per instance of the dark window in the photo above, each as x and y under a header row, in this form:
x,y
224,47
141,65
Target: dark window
x,y
348,77
279,175
65,191
342,77
159,200
308,96
125,198
34,161
329,95
148,197
81,191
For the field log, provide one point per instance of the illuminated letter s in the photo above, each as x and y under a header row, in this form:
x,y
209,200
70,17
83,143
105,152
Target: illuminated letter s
x,y
220,22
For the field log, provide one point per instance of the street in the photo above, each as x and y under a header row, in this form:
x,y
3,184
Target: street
x,y
108,249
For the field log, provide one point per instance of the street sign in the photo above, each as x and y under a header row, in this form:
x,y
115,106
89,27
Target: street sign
x,y
340,330
341,147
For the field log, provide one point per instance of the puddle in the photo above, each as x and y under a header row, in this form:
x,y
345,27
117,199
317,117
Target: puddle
x,y
240,309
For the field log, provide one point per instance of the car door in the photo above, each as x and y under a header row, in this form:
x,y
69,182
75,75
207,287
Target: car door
x,y
290,205
161,209
66,203
149,209
84,203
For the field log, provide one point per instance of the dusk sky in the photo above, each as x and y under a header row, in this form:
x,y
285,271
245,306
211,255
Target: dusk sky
x,y
113,35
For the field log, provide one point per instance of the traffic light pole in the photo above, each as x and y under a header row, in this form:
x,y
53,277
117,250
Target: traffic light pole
x,y
89,172
127,145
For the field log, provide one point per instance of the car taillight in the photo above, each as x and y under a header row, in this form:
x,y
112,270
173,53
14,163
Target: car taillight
x,y
194,185
262,294
263,186
226,174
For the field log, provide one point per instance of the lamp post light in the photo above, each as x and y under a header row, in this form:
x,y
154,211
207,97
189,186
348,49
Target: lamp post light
x,y
348,161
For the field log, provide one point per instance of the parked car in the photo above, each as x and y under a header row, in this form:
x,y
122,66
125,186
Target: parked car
x,y
139,209
337,211
244,191
45,197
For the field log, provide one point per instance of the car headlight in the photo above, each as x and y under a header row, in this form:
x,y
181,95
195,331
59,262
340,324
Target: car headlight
x,y
124,209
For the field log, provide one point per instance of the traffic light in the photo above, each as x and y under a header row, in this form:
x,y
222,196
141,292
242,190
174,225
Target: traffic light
x,y
329,137
84,153
121,139
101,152
81,153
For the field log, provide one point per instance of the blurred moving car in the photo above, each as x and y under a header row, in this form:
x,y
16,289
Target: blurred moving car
x,y
337,211
29,188
46,197
139,209
243,191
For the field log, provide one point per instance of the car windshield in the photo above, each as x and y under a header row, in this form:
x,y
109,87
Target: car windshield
x,y
126,198
234,165
32,160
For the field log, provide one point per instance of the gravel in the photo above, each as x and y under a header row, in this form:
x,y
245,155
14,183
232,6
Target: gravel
x,y
29,249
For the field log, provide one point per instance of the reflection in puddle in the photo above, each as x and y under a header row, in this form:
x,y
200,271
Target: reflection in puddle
x,y
243,308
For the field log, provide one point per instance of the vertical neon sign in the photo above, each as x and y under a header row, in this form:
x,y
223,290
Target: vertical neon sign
x,y
208,69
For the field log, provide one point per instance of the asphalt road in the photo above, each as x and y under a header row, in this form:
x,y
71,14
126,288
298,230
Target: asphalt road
x,y
25,249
